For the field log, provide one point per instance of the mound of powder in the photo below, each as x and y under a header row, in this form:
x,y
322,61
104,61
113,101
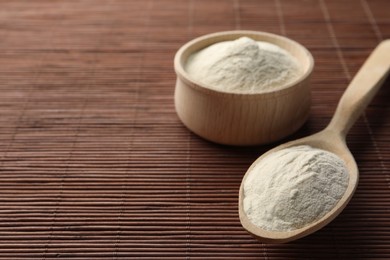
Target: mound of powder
x,y
243,66
294,187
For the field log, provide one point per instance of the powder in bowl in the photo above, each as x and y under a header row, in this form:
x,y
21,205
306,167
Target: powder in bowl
x,y
294,187
243,66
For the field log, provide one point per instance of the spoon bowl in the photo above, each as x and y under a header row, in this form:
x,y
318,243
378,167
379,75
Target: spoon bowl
x,y
325,140
359,93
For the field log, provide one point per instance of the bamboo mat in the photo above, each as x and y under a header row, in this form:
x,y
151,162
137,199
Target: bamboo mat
x,y
95,164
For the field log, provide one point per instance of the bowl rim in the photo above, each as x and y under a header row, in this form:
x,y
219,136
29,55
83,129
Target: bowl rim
x,y
285,89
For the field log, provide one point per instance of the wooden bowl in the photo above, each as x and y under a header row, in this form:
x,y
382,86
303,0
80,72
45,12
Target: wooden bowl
x,y
236,118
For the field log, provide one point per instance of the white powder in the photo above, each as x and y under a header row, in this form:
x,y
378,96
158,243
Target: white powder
x,y
294,187
243,66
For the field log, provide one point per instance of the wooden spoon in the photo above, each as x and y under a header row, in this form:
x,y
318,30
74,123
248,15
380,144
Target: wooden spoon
x,y
360,92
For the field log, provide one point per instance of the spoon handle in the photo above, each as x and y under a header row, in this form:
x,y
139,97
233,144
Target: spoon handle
x,y
362,89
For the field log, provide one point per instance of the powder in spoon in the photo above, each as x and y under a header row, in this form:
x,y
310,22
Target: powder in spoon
x,y
294,187
243,66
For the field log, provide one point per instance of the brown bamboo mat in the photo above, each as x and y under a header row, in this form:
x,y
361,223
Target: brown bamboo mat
x,y
95,164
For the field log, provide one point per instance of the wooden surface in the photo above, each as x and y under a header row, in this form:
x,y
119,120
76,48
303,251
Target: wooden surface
x,y
95,163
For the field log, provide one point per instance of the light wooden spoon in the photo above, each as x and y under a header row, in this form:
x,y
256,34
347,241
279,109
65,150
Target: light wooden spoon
x,y
360,92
